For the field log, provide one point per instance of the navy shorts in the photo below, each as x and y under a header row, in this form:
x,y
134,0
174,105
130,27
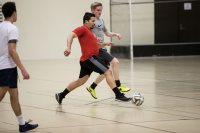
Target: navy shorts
x,y
105,56
93,64
8,77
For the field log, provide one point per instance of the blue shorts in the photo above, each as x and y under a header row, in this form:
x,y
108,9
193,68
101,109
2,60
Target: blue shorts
x,y
8,77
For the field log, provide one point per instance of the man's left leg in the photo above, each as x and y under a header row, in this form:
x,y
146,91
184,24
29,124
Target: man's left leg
x,y
3,91
115,69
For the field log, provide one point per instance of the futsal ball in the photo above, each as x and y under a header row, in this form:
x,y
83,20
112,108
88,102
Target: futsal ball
x,y
137,99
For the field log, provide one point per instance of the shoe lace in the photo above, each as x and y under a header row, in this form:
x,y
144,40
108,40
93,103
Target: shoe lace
x,y
122,94
29,121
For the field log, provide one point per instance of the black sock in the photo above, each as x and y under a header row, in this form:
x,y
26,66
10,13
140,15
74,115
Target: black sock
x,y
64,93
116,91
93,85
118,83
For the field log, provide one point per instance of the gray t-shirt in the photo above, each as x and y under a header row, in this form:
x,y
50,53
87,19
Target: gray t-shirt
x,y
99,29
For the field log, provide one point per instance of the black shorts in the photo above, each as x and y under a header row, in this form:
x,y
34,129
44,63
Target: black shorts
x,y
93,64
105,56
8,77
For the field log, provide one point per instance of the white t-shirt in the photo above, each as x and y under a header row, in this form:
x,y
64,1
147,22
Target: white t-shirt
x,y
8,32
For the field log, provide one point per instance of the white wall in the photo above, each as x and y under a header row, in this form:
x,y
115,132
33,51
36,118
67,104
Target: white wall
x,y
142,22
45,24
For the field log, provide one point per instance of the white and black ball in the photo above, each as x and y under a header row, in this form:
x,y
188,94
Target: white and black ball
x,y
137,98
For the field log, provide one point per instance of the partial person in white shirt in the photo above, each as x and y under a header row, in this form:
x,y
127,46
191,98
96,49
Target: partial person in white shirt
x,y
9,61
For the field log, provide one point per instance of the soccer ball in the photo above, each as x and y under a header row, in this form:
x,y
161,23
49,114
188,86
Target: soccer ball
x,y
137,99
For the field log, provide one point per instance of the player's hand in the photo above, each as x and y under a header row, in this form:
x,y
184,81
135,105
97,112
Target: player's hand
x,y
109,43
67,52
119,36
99,40
25,74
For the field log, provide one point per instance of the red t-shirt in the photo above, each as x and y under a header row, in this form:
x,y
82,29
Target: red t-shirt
x,y
88,42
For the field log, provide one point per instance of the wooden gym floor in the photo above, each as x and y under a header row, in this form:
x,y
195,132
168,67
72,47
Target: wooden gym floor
x,y
170,85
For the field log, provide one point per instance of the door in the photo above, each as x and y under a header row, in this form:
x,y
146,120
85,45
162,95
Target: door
x,y
166,22
177,21
189,21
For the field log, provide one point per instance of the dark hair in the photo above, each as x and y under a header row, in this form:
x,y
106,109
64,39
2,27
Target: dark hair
x,y
8,8
87,16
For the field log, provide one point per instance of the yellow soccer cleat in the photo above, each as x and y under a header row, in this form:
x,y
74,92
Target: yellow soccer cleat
x,y
92,92
123,88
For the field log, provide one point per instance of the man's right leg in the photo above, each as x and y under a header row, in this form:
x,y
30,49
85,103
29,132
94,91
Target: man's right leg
x,y
14,100
110,80
73,85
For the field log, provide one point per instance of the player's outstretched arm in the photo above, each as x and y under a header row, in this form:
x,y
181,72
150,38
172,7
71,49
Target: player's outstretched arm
x,y
111,34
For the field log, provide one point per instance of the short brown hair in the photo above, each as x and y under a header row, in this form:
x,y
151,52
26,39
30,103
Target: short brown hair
x,y
95,5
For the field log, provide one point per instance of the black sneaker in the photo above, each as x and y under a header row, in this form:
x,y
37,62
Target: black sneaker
x,y
122,98
27,127
59,98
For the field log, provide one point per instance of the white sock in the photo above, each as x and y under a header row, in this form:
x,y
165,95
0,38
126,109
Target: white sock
x,y
21,120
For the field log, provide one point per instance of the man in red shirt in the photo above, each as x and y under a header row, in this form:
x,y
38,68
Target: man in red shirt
x,y
89,60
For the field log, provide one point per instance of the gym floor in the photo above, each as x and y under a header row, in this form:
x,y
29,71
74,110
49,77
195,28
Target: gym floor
x,y
170,85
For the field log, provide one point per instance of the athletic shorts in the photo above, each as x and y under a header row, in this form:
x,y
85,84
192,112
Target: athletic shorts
x,y
93,64
8,77
104,55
